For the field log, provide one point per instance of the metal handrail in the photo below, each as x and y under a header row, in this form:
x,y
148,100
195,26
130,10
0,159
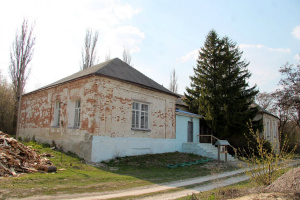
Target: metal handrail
x,y
211,138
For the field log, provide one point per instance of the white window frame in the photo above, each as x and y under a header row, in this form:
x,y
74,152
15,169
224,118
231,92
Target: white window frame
x,y
56,118
77,114
140,116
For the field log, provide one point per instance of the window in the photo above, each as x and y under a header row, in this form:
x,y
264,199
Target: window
x,y
77,114
140,113
56,114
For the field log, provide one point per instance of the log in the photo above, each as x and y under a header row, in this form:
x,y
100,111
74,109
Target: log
x,y
48,168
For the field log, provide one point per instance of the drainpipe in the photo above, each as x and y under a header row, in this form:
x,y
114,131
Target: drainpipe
x,y
165,119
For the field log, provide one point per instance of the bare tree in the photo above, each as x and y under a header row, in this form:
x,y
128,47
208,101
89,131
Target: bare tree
x,y
107,56
265,100
126,55
20,56
291,88
173,82
89,50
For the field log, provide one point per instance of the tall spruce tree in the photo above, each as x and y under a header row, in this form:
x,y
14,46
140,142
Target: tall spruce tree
x,y
219,88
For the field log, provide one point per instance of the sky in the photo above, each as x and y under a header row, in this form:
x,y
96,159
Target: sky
x,y
162,35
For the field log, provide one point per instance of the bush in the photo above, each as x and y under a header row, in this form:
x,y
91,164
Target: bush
x,y
264,163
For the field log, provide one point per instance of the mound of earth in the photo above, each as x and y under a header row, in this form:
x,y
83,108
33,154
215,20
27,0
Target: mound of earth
x,y
269,196
287,183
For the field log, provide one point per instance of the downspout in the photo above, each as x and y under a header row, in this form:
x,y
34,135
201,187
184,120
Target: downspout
x,y
165,118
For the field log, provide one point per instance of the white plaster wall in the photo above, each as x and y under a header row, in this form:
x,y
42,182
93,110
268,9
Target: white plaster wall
x,y
182,128
104,147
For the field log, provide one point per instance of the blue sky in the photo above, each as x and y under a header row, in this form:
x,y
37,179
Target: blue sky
x,y
161,34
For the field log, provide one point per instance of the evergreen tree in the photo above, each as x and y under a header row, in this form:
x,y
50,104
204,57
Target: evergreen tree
x,y
219,88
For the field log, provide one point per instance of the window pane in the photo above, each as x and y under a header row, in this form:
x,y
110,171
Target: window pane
x,y
77,104
146,121
144,107
137,116
76,118
133,119
142,121
78,122
56,113
77,114
135,106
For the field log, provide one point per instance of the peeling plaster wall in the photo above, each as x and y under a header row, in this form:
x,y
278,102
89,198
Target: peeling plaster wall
x,y
106,110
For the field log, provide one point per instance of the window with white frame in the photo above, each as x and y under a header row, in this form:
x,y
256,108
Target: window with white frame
x,y
56,114
140,116
77,114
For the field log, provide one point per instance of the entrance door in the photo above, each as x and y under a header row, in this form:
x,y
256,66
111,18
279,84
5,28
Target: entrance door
x,y
190,132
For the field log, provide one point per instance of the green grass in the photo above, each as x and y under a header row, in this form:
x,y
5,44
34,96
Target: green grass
x,y
79,177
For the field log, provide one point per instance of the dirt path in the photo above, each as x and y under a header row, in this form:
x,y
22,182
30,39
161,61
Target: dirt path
x,y
228,178
206,187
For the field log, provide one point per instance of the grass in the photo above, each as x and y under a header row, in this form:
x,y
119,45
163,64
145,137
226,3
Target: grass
x,y
232,191
80,178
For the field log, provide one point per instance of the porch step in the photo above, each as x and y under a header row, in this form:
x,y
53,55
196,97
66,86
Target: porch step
x,y
205,149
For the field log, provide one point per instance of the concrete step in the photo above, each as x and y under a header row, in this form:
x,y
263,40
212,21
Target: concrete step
x,y
205,149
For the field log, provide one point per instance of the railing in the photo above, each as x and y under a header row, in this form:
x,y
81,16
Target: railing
x,y
211,141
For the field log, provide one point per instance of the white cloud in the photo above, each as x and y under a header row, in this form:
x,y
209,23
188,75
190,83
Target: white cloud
x,y
260,46
265,63
60,30
124,12
189,56
297,57
296,32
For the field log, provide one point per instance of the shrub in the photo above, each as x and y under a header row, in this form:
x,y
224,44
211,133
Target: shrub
x,y
264,163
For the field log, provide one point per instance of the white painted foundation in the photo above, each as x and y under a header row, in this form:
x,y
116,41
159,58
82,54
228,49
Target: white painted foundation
x,y
104,148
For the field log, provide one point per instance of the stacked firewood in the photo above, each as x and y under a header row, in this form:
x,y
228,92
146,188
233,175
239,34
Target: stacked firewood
x,y
17,158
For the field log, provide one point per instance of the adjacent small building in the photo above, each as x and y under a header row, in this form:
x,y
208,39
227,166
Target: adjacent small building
x,y
270,126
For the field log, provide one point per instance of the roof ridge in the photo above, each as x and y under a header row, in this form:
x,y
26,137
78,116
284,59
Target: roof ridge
x,y
117,69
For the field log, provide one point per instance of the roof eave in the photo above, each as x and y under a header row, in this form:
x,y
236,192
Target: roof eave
x,y
189,115
95,74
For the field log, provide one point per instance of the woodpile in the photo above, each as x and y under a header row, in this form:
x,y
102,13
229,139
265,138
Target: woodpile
x,y
17,158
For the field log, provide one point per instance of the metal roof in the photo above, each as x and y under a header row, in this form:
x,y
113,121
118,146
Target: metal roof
x,y
117,69
182,112
222,142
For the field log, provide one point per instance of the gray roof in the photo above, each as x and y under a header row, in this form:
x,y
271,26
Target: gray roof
x,y
116,69
262,110
179,100
222,142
